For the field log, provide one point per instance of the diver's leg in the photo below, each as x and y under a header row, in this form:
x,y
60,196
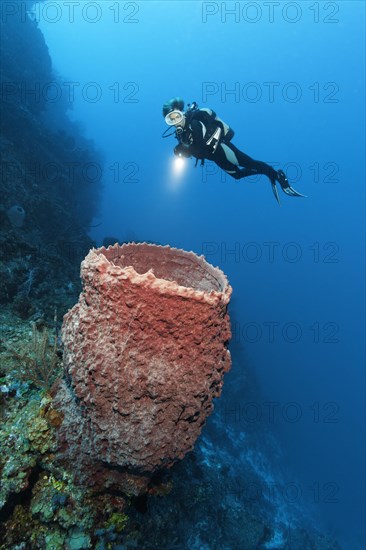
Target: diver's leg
x,y
253,166
239,165
259,167
226,159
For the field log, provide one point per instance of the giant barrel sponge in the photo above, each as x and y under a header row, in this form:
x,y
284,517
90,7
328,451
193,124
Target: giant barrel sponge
x,y
145,351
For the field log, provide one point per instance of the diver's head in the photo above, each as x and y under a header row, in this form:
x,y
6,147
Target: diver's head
x,y
175,118
174,103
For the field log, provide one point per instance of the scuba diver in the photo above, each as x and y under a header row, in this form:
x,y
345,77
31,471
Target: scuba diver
x,y
202,134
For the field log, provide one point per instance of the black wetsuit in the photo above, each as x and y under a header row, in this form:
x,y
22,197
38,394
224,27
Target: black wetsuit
x,y
193,142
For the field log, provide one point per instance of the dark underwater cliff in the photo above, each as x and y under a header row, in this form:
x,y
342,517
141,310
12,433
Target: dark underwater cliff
x,y
50,177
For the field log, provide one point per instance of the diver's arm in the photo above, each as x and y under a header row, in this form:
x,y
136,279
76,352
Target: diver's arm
x,y
199,147
197,133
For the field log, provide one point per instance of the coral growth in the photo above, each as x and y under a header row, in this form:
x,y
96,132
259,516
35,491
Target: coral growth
x,y
38,363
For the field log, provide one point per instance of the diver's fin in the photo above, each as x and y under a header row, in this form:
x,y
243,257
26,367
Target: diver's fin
x,y
275,192
285,186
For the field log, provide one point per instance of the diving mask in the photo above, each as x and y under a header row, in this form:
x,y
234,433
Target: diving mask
x,y
174,118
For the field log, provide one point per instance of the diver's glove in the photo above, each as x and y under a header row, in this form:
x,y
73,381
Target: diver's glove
x,y
182,150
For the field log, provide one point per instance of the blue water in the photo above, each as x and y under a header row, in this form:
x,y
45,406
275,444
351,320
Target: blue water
x,y
291,84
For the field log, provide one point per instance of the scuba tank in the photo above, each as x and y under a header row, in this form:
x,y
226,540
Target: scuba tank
x,y
210,119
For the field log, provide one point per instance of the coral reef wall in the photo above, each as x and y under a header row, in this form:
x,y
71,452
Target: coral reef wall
x,y
48,193
145,353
